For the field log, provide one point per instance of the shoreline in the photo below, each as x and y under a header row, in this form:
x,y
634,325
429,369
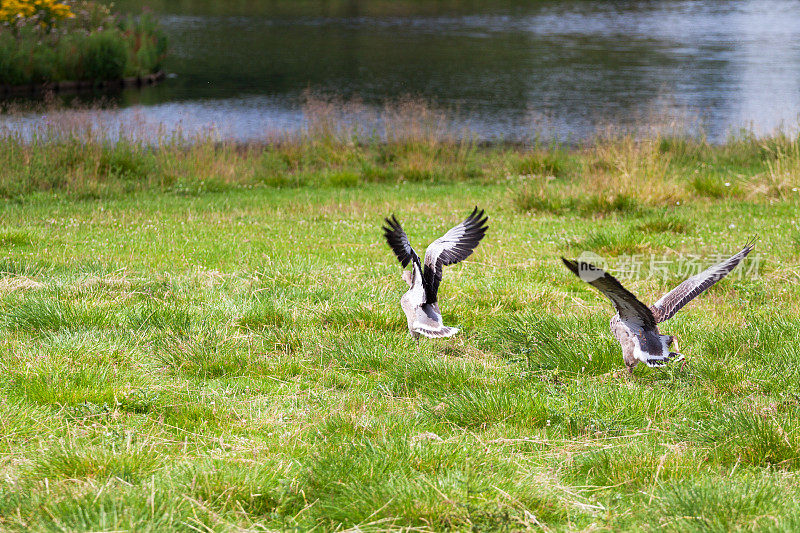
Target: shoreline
x,y
81,85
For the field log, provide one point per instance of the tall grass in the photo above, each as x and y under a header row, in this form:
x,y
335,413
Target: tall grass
x,y
347,144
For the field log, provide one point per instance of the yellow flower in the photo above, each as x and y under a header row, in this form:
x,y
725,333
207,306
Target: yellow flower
x,y
48,11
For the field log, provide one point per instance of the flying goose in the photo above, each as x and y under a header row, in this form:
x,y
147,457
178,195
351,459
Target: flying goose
x,y
634,325
420,302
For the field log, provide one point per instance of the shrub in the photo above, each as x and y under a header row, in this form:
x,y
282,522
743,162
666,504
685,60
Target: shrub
x,y
713,187
11,61
553,163
91,46
148,45
602,204
105,56
342,178
125,160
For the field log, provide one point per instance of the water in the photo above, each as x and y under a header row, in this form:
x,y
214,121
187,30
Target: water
x,y
503,69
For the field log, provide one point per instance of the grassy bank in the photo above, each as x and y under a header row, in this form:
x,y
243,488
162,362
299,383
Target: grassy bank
x,y
69,154
209,337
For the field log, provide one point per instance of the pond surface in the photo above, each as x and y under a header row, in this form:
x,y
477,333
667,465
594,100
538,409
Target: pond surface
x,y
503,69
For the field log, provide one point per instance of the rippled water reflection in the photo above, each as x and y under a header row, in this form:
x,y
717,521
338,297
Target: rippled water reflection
x,y
553,69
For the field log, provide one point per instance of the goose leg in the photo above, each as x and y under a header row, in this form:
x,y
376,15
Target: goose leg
x,y
678,350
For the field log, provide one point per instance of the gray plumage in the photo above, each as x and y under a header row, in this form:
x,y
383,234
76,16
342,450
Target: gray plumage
x,y
635,324
420,302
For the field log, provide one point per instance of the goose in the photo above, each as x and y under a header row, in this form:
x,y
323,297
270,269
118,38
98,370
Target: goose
x,y
635,324
420,303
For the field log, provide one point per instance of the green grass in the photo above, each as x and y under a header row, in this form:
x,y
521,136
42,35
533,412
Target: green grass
x,y
209,338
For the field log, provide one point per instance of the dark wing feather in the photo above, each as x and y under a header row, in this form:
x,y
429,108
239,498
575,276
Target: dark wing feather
x,y
398,240
670,303
629,307
454,246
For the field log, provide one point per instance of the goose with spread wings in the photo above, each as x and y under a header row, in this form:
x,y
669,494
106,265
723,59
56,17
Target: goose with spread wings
x,y
420,302
634,325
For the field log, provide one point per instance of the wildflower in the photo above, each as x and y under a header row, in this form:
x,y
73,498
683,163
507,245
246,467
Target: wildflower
x,y
46,12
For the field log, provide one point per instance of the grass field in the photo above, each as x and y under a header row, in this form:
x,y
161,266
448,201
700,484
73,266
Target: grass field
x,y
209,338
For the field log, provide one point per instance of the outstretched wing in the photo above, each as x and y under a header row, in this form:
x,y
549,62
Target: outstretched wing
x,y
630,309
398,240
670,303
452,247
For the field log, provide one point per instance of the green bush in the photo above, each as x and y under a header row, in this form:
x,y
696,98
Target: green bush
x,y
11,63
69,57
42,66
342,178
95,50
105,56
553,163
125,160
147,44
